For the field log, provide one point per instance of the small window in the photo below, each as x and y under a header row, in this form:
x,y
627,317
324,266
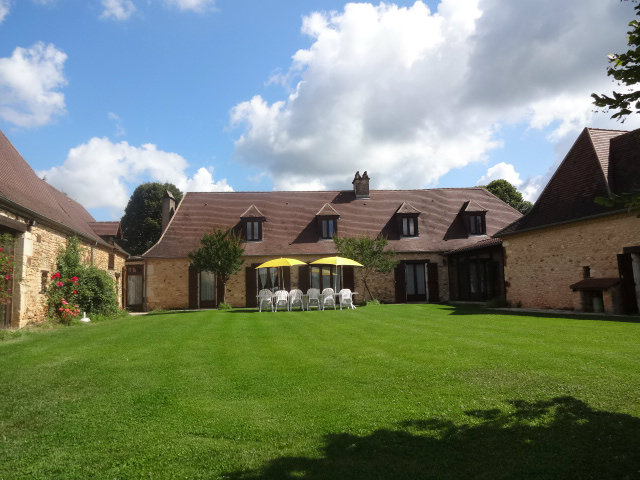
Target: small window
x,y
328,227
112,259
477,225
44,281
253,230
409,226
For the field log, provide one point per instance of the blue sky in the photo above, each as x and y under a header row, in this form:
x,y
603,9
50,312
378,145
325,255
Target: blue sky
x,y
102,95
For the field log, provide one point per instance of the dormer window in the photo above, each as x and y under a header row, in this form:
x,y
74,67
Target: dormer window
x,y
329,227
327,221
477,224
252,220
407,219
253,230
409,226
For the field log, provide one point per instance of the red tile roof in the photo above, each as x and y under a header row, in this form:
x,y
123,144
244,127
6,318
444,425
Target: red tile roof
x,y
291,228
587,171
22,189
107,229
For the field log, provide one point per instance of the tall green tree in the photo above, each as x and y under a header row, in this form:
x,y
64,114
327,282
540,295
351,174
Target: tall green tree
x,y
372,253
509,194
625,70
142,220
221,253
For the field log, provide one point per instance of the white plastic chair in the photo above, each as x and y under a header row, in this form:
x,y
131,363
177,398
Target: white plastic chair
x,y
314,299
328,298
282,298
346,298
264,299
295,299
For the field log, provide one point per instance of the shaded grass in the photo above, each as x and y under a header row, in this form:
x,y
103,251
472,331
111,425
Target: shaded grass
x,y
408,391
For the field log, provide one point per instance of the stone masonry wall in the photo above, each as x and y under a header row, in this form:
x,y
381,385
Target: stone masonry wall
x,y
541,264
167,281
35,252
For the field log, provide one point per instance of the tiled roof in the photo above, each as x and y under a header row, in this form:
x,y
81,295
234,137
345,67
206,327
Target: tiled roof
x,y
473,206
107,229
327,211
20,185
252,212
489,242
407,208
595,283
291,227
583,175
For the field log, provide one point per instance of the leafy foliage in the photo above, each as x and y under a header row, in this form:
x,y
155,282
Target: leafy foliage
x,y
220,253
75,288
506,192
370,252
142,220
6,267
625,69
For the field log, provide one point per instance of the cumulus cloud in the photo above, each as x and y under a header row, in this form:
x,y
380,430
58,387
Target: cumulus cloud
x,y
101,173
4,9
193,5
409,94
30,80
117,9
529,188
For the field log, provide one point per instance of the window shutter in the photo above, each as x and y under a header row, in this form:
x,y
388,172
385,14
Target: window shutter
x,y
251,285
348,280
401,293
303,278
193,287
432,274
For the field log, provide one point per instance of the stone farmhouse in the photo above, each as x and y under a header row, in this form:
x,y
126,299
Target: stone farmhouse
x,y
41,218
569,252
437,234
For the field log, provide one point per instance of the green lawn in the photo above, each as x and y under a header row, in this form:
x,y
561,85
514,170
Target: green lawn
x,y
396,391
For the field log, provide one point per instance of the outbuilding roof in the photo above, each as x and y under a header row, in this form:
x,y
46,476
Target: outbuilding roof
x,y
23,191
292,227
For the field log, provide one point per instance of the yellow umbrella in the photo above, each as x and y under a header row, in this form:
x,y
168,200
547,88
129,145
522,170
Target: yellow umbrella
x,y
341,261
281,262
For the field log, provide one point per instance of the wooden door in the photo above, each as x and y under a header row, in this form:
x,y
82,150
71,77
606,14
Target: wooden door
x,y
415,281
135,287
628,285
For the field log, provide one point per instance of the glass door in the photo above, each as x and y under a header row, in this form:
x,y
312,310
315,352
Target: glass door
x,y
415,280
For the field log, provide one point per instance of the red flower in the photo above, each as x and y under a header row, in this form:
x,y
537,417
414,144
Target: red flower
x,y
73,279
7,277
60,284
75,291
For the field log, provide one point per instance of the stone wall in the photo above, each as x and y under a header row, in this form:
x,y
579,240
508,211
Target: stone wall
x,y
167,281
541,264
35,255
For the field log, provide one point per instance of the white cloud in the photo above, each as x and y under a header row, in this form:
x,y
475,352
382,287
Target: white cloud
x,y
101,173
409,94
529,188
117,9
4,9
117,122
193,5
29,85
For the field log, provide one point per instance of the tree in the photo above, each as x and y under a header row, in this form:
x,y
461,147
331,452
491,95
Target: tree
x,y
220,253
142,220
509,195
370,252
625,69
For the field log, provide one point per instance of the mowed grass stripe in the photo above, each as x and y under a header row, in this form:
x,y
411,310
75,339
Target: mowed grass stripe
x,y
199,394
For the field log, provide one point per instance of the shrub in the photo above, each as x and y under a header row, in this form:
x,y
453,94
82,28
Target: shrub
x,y
76,288
224,306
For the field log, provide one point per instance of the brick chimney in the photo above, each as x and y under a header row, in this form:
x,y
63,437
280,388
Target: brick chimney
x,y
361,185
168,208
